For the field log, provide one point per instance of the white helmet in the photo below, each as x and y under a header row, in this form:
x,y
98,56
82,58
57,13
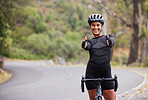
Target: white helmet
x,y
96,18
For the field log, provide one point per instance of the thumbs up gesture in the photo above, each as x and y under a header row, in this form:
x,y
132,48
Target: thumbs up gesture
x,y
110,40
85,42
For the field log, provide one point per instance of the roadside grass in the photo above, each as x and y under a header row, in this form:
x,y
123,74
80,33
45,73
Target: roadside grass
x,y
137,92
4,75
141,89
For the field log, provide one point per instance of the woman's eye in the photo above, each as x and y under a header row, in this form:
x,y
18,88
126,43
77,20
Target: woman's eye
x,y
98,24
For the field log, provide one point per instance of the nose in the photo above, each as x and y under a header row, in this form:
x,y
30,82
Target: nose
x,y
95,27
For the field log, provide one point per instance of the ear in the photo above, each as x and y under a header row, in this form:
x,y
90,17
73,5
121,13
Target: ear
x,y
102,25
90,26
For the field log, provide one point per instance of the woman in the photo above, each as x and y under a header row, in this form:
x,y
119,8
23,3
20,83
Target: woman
x,y
98,66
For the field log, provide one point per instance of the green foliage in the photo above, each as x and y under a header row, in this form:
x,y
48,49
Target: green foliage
x,y
21,34
5,41
69,49
124,59
19,53
58,32
144,32
1,62
120,59
38,43
123,41
73,36
22,13
6,11
10,8
121,5
146,63
144,7
51,55
36,23
49,18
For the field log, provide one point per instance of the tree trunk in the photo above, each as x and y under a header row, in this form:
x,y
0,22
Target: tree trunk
x,y
136,29
144,51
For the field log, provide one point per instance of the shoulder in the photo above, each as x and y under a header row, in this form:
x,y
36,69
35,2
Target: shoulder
x,y
110,35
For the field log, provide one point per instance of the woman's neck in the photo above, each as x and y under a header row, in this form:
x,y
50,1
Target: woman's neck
x,y
98,35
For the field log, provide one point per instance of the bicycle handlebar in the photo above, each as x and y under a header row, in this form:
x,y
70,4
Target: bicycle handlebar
x,y
99,80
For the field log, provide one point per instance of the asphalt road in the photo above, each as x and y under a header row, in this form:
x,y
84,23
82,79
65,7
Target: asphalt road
x,y
35,81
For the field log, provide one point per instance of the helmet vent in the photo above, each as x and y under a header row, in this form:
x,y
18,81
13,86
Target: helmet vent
x,y
91,17
94,16
100,17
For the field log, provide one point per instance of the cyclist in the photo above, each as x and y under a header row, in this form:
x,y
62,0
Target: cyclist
x,y
100,48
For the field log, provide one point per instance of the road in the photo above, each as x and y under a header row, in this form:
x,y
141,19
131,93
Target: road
x,y
35,81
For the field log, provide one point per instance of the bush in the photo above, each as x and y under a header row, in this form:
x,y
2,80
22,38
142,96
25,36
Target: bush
x,y
1,62
146,63
123,41
5,40
51,55
124,59
38,44
120,60
19,53
36,23
69,49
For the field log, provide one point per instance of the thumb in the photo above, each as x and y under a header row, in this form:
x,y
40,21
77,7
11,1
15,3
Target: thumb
x,y
85,38
107,36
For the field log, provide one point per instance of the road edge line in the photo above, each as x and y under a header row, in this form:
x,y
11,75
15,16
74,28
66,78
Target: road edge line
x,y
135,88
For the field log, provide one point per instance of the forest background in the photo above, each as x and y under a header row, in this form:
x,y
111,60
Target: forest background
x,y
54,29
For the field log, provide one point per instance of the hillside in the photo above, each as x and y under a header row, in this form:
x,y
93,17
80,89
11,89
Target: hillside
x,y
51,29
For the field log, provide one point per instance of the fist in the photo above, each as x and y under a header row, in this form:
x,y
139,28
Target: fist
x,y
109,41
84,43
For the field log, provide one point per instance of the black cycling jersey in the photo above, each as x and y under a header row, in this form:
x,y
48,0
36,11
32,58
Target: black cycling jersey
x,y
99,63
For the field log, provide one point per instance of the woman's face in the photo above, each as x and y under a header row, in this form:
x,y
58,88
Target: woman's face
x,y
96,27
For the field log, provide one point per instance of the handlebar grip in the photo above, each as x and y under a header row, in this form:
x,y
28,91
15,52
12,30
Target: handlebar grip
x,y
116,83
82,84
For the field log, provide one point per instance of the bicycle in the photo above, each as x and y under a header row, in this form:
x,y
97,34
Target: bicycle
x,y
99,80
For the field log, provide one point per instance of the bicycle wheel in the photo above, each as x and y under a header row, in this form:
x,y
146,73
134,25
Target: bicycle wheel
x,y
99,98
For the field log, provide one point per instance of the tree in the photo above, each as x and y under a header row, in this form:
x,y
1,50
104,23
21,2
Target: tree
x,y
7,22
135,26
144,35
136,29
4,25
3,35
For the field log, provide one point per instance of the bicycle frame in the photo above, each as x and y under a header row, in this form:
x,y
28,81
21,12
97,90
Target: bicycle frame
x,y
99,80
99,91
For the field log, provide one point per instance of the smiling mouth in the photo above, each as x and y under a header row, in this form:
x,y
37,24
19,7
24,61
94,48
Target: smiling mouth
x,y
96,31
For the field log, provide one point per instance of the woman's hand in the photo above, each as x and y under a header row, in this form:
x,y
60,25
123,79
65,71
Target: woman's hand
x,y
85,42
109,41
